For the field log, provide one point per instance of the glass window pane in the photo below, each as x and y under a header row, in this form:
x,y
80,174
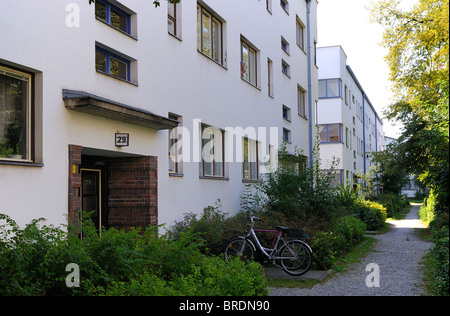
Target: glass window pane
x,y
252,66
100,11
100,61
199,28
322,89
333,132
14,116
171,9
171,26
119,20
323,133
216,41
119,68
245,62
333,88
206,33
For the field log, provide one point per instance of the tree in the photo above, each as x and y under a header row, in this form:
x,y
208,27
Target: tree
x,y
418,58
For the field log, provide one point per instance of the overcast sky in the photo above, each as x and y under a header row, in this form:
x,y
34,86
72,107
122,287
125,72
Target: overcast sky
x,y
347,23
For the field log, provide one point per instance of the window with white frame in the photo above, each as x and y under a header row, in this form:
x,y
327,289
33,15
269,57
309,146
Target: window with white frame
x,y
285,5
270,77
172,18
285,45
248,63
250,163
175,147
209,34
15,115
212,151
300,34
285,68
301,102
287,135
286,113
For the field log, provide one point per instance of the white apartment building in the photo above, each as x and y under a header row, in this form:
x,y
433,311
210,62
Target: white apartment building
x,y
349,126
90,96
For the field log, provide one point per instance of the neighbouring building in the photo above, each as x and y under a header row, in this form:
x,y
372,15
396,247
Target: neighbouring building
x,y
128,110
349,127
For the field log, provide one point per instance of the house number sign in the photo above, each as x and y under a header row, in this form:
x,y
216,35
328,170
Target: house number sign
x,y
122,140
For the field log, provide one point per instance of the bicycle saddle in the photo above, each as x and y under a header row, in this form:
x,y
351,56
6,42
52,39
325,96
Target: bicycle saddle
x,y
282,228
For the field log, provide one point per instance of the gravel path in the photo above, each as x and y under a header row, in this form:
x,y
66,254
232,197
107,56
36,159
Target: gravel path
x,y
397,253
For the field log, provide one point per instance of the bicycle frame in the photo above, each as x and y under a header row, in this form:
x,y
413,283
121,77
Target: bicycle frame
x,y
274,250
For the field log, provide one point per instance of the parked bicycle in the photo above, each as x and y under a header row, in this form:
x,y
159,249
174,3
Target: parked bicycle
x,y
293,255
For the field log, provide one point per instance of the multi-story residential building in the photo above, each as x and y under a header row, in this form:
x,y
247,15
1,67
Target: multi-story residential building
x,y
349,126
141,114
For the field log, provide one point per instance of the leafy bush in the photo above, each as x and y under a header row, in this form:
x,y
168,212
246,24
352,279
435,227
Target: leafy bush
x,y
371,213
393,203
323,245
33,262
348,231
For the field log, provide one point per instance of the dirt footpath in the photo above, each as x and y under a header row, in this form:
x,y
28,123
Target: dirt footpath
x,y
393,268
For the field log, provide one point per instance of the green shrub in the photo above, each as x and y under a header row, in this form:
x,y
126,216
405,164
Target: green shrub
x,y
33,262
439,264
323,247
348,231
393,203
371,213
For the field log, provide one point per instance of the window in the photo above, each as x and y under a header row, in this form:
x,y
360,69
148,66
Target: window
x,y
300,35
113,16
270,77
212,152
286,113
175,155
285,68
209,35
287,135
172,18
285,5
301,102
269,5
112,64
345,95
248,63
330,133
15,115
250,164
284,45
329,88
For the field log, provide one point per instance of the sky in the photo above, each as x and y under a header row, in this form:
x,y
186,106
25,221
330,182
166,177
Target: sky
x,y
347,23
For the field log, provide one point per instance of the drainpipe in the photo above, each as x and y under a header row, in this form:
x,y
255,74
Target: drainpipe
x,y
310,122
364,130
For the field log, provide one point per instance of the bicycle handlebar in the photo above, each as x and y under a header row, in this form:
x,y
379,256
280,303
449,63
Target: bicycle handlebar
x,y
255,219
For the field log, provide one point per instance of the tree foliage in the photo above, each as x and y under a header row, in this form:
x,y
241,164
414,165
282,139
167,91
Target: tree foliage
x,y
418,54
418,48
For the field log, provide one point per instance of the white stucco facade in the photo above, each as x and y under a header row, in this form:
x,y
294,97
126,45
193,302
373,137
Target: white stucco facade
x,y
56,42
360,128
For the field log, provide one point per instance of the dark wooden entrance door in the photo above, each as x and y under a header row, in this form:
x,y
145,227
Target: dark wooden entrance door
x,y
91,195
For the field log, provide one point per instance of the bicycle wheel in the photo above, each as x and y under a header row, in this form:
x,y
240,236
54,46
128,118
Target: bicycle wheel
x,y
239,247
297,257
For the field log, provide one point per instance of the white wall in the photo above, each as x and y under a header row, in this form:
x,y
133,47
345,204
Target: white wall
x,y
172,77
